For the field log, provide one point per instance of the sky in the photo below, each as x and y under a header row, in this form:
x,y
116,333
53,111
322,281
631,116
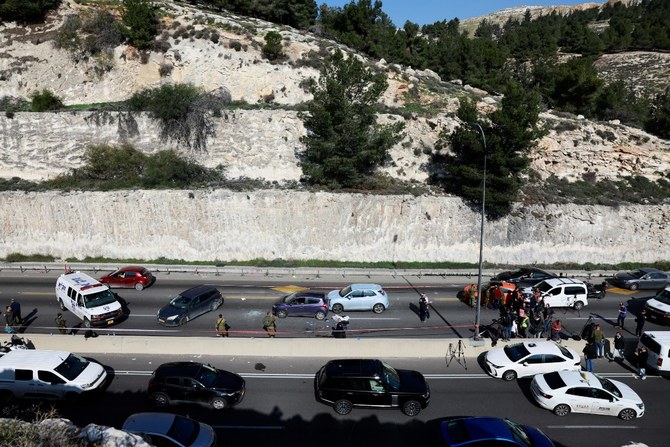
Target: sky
x,y
424,12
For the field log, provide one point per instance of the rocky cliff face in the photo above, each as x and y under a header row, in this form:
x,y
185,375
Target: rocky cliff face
x,y
221,225
263,144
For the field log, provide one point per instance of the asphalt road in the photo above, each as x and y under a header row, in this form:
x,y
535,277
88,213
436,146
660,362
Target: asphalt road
x,y
248,298
279,407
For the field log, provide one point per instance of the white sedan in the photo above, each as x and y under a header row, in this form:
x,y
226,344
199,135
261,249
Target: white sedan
x,y
564,392
530,358
165,429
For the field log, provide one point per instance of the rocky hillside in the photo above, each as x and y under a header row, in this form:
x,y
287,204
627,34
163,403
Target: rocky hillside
x,y
39,146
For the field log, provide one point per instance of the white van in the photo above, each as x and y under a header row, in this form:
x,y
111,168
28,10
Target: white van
x,y
88,299
562,292
43,374
658,308
658,347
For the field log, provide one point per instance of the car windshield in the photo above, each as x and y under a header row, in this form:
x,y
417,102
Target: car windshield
x,y
99,299
608,386
180,302
636,274
72,366
516,351
567,354
391,376
664,297
519,433
543,286
288,297
184,430
345,291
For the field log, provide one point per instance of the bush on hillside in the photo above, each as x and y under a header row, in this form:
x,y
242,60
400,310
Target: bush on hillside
x,y
44,101
183,110
272,50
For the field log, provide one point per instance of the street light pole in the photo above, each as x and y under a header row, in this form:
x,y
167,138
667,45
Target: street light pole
x,y
481,241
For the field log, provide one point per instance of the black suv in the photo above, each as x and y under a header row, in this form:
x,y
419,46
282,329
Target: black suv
x,y
193,382
346,384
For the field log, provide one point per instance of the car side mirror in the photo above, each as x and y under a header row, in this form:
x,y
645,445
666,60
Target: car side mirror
x,y
525,363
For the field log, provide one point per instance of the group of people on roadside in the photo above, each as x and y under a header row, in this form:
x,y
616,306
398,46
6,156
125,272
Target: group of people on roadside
x,y
523,318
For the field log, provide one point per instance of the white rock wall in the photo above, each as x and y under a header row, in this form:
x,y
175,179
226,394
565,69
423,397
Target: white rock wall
x,y
227,226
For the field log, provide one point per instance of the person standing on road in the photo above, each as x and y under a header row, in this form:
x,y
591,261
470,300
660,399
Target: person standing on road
x,y
522,323
9,320
556,328
16,309
60,323
472,295
599,340
221,327
424,313
619,347
548,315
590,354
270,324
623,311
641,356
639,323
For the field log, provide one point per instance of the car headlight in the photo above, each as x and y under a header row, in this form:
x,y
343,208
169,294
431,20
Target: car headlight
x,y
640,405
173,317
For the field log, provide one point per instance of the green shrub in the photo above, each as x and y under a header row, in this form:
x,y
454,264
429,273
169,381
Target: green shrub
x,y
272,50
44,101
167,102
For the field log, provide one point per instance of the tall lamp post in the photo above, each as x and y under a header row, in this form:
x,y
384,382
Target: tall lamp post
x,y
477,336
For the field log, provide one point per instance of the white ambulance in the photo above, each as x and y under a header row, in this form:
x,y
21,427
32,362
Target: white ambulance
x,y
88,299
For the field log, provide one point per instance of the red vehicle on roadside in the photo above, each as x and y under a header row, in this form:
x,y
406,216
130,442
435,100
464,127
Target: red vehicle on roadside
x,y
131,276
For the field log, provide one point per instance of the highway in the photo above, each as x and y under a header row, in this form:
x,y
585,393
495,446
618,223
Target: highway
x,y
248,298
279,407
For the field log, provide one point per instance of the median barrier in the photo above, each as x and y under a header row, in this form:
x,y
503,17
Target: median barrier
x,y
270,347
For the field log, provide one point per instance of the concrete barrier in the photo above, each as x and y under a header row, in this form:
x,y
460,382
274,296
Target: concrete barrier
x,y
270,347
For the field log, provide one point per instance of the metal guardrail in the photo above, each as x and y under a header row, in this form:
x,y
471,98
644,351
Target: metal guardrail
x,y
276,271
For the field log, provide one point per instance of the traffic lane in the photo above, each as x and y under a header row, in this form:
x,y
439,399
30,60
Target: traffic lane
x,y
248,304
284,409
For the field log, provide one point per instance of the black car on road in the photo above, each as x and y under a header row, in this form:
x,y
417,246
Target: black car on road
x,y
524,276
192,382
189,304
369,383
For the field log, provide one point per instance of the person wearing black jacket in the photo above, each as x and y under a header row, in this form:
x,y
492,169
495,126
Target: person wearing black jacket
x,y
590,354
641,356
619,347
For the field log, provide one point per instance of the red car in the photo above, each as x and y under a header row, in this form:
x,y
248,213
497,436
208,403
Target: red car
x,y
130,276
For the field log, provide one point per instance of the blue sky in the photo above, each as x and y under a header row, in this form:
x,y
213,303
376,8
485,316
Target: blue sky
x,y
430,11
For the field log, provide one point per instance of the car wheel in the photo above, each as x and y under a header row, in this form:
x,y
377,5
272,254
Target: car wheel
x,y
562,410
411,408
343,407
578,305
87,323
627,414
338,308
634,286
160,400
218,403
139,286
183,320
320,315
216,304
282,314
61,305
378,308
509,375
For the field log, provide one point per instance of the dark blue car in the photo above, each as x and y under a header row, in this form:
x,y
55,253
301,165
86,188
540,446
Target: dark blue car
x,y
487,432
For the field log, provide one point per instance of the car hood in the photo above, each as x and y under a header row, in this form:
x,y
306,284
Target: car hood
x,y
538,437
169,310
333,294
412,381
498,357
656,304
226,380
627,392
206,437
625,276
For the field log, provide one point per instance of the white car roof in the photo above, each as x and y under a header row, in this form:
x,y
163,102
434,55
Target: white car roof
x,y
578,378
543,347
